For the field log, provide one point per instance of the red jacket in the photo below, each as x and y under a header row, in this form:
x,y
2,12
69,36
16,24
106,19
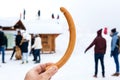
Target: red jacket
x,y
99,42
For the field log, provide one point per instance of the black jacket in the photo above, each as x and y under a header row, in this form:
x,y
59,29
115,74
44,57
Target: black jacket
x,y
5,42
18,40
2,38
24,46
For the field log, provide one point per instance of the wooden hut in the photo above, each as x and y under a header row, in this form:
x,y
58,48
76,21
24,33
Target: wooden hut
x,y
48,31
10,27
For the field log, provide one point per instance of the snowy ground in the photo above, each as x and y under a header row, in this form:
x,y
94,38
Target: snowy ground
x,y
79,67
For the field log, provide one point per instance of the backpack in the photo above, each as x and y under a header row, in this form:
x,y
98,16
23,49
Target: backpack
x,y
118,43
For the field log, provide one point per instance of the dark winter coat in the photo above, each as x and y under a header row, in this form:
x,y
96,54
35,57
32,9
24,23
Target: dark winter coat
x,y
3,39
24,46
5,42
99,42
18,40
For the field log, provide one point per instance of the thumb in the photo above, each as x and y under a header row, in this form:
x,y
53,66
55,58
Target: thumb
x,y
50,72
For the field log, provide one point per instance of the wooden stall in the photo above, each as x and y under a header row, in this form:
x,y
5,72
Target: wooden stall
x,y
47,36
48,42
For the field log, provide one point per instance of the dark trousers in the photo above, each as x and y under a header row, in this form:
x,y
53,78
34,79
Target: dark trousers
x,y
116,60
37,55
100,56
13,53
32,52
2,49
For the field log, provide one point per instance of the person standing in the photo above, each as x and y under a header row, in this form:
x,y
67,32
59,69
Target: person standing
x,y
24,50
52,16
2,44
115,50
32,50
58,17
17,43
24,13
99,51
37,47
38,14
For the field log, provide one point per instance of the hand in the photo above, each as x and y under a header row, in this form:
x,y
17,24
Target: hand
x,y
40,73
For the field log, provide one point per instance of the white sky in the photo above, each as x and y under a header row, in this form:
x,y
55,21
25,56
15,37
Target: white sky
x,y
15,7
86,13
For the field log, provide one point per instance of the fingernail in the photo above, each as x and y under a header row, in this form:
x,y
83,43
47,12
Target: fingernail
x,y
53,68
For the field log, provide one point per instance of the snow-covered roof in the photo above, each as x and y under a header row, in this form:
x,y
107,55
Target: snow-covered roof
x,y
35,26
43,26
8,22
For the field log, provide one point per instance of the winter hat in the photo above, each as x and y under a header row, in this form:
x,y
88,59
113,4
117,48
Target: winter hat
x,y
99,32
105,30
113,30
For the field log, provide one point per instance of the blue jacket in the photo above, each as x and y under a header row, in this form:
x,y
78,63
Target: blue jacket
x,y
114,41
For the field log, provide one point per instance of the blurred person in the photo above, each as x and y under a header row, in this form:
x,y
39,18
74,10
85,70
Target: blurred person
x,y
115,50
3,44
38,14
39,72
37,48
24,50
52,16
24,13
99,51
58,17
32,50
17,43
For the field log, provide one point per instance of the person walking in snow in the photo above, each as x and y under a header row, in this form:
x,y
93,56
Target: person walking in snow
x,y
99,51
115,50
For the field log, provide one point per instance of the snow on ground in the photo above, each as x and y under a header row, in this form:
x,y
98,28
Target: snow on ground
x,y
79,67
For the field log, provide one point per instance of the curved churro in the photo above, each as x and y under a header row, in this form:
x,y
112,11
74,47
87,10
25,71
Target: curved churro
x,y
72,38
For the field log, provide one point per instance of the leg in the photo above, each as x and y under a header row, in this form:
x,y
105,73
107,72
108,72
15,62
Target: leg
x,y
26,57
38,56
39,59
3,54
12,53
35,55
23,57
102,64
96,64
116,60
